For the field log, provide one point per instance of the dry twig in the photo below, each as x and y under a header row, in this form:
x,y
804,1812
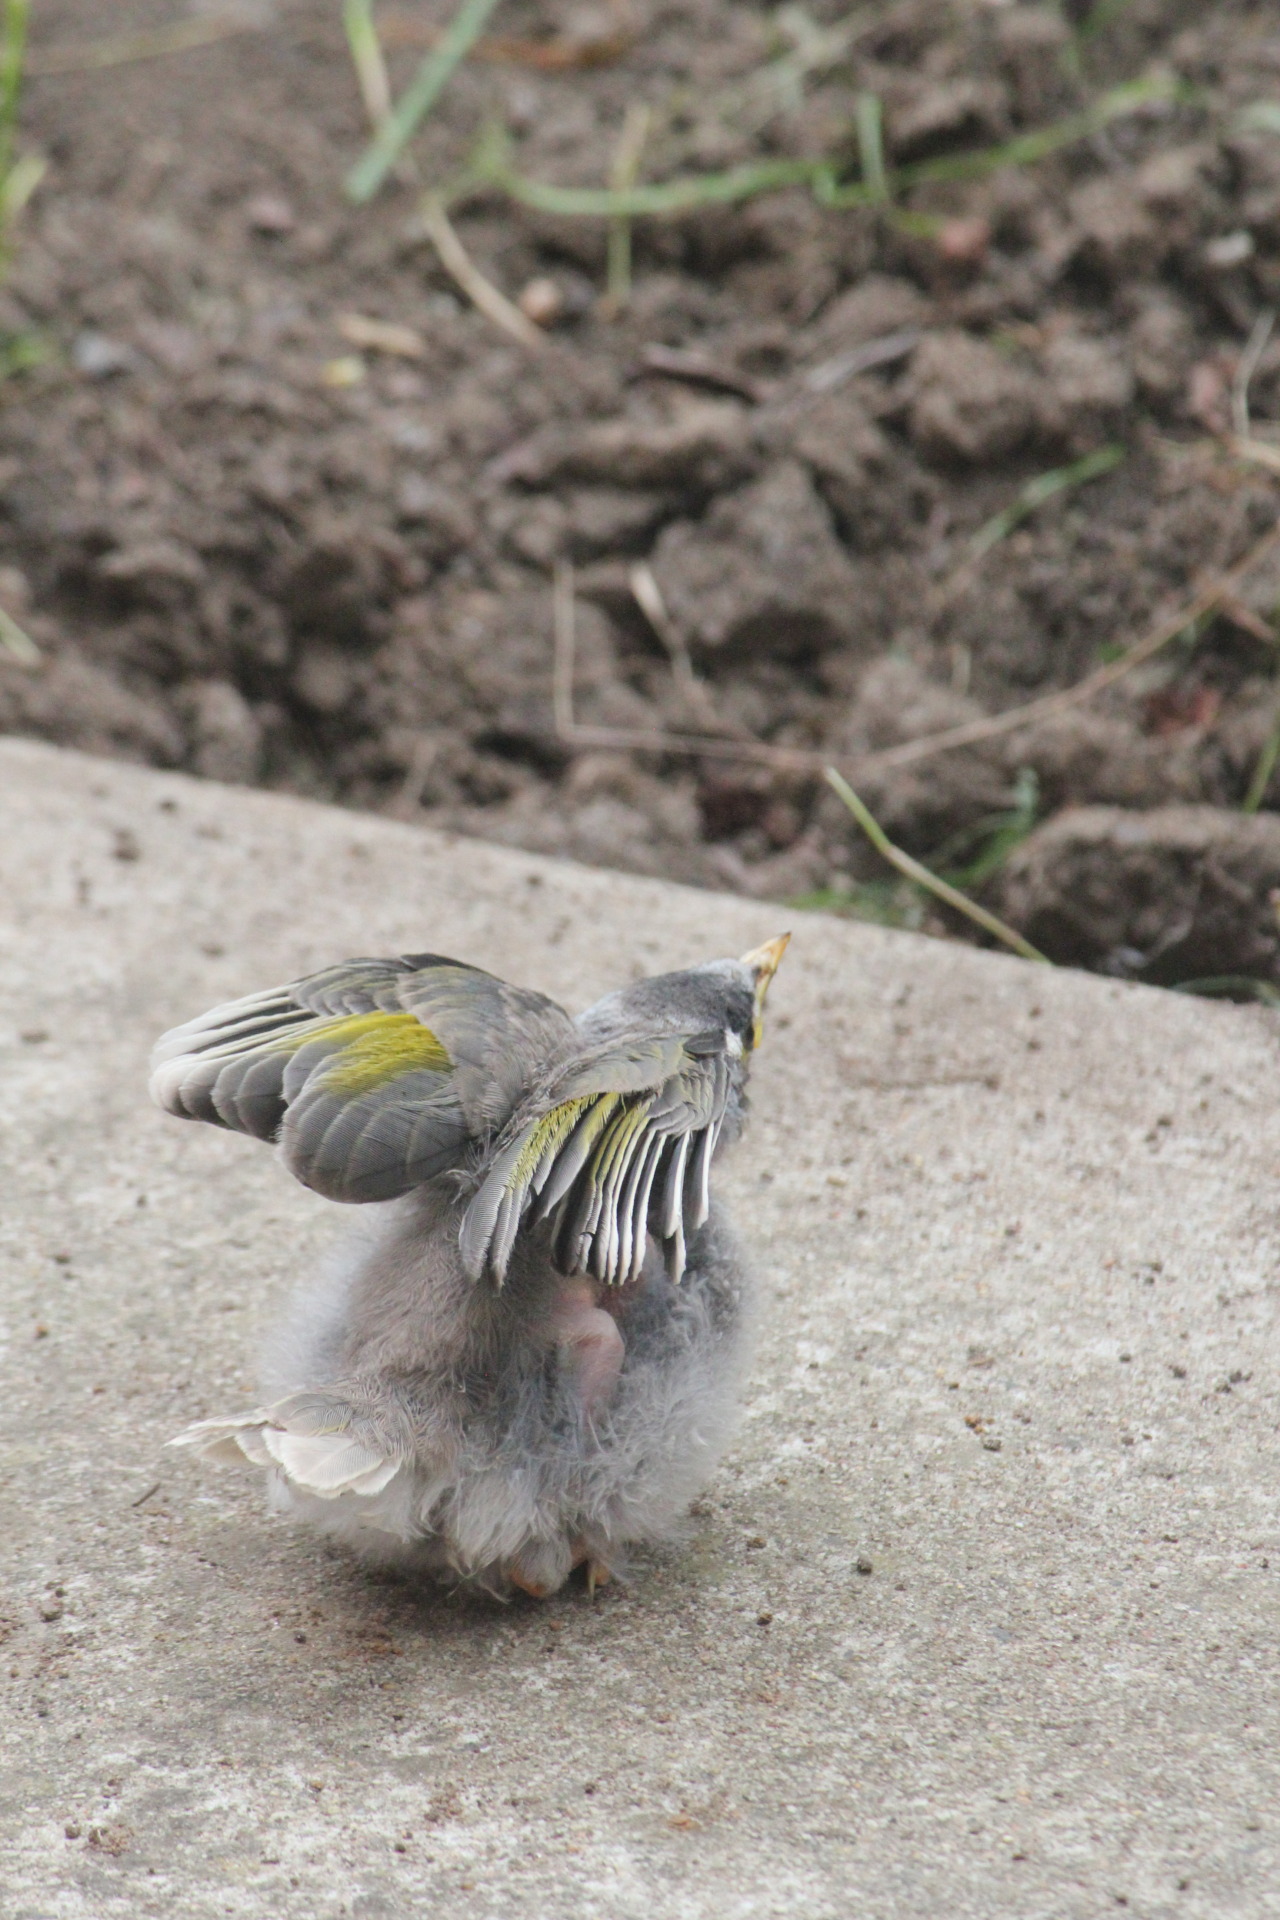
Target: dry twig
x,y
91,56
381,336
1261,452
482,293
544,56
881,352
1254,348
648,597
697,369
622,174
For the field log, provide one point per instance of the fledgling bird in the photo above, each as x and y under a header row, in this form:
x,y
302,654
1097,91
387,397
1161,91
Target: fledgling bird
x,y
532,1360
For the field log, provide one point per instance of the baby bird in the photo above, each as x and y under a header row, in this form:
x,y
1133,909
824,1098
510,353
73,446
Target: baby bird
x,y
531,1359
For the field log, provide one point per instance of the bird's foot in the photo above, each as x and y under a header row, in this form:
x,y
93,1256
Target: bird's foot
x,y
540,1583
599,1572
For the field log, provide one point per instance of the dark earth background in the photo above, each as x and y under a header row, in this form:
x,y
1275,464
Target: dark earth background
x,y
235,563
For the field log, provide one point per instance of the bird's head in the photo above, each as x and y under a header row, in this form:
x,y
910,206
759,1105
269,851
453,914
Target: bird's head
x,y
741,986
720,997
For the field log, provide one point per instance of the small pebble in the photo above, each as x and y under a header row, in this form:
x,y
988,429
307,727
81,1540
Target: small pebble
x,y
270,213
964,241
346,371
98,357
542,302
1230,250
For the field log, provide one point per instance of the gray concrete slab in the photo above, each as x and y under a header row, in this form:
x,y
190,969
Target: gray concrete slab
x,y
1018,1234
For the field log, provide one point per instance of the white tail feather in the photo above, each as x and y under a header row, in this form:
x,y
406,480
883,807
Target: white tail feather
x,y
329,1463
326,1464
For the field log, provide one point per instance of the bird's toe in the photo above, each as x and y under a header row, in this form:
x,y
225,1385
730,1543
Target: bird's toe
x,y
598,1572
535,1589
598,1575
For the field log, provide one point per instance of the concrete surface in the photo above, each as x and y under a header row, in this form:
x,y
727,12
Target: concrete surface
x,y
1018,1233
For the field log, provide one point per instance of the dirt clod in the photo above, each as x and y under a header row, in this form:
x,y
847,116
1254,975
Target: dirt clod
x,y
280,506
971,403
1175,893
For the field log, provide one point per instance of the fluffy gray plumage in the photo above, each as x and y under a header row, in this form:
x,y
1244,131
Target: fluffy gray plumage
x,y
529,1356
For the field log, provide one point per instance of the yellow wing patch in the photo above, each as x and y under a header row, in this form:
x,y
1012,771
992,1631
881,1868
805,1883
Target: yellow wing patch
x,y
546,1137
373,1048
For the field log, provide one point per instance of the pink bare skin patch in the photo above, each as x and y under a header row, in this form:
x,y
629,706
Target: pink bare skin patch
x,y
590,1342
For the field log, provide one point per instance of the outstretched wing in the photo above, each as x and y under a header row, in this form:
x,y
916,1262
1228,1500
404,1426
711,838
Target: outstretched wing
x,y
620,1147
374,1075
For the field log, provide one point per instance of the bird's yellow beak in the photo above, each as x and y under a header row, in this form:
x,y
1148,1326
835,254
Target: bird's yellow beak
x,y
763,962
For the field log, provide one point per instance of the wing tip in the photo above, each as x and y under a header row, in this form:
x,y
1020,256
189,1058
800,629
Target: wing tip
x,y
165,1083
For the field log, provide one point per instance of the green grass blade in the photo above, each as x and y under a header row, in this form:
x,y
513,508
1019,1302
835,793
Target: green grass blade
x,y
1264,769
662,197
1226,986
419,97
18,185
994,838
894,903
1027,148
365,49
913,870
17,643
869,122
1045,485
622,174
1101,16
745,182
1260,116
20,352
13,51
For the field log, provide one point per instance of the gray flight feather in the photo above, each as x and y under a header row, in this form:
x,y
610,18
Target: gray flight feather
x,y
589,1142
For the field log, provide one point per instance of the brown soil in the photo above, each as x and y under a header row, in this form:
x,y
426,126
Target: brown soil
x,y
233,565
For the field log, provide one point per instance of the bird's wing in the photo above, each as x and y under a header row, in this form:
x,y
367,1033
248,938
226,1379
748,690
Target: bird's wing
x,y
374,1075
619,1146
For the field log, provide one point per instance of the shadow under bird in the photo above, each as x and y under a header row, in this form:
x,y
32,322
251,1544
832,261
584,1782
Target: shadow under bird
x,y
531,1357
